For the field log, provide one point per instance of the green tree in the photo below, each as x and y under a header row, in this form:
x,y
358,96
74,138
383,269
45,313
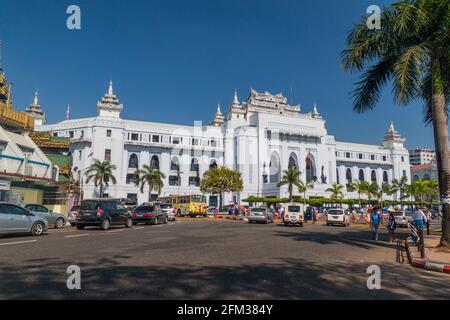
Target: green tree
x,y
303,188
360,187
372,190
221,180
151,177
101,172
411,51
431,189
336,190
400,186
386,189
291,177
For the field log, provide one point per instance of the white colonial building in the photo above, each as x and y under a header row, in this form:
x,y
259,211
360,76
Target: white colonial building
x,y
259,137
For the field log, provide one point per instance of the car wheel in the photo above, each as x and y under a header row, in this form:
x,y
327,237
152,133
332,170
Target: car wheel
x,y
166,220
59,223
106,224
134,223
129,223
37,229
156,221
80,227
73,224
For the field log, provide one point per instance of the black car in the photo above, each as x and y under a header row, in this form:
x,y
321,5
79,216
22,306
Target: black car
x,y
149,214
112,213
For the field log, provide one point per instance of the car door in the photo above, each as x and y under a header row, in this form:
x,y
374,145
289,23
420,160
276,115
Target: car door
x,y
18,218
46,213
122,213
5,223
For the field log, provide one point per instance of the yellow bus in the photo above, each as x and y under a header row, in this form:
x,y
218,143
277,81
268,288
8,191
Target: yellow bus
x,y
187,205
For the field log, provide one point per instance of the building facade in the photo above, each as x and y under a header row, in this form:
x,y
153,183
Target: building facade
x,y
421,156
259,137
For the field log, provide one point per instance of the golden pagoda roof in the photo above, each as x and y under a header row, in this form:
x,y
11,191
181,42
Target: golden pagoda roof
x,y
45,140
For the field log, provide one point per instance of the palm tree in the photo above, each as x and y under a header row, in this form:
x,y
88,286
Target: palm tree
x,y
386,189
361,188
431,189
291,177
400,186
303,187
150,176
372,190
337,191
101,172
411,51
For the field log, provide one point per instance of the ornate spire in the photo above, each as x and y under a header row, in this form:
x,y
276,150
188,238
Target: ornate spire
x,y
315,113
235,100
35,111
393,135
109,105
218,119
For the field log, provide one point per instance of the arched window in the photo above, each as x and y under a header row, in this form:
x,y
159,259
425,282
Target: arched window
x,y
361,175
175,164
310,166
385,177
213,165
133,162
274,168
426,176
194,166
154,163
373,176
348,176
293,161
416,177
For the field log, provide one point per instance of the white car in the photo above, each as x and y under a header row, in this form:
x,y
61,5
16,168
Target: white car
x,y
338,217
293,215
402,218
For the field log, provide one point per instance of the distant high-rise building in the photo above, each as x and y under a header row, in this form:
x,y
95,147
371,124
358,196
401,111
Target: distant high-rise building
x,y
421,156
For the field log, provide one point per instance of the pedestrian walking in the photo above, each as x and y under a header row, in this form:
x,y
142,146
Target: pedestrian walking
x,y
419,220
375,221
391,226
429,217
282,213
315,212
216,213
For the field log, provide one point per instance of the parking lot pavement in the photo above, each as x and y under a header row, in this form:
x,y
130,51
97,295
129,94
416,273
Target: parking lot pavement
x,y
207,259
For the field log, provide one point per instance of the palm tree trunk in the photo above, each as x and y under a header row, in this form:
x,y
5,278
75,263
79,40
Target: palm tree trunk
x,y
440,128
101,189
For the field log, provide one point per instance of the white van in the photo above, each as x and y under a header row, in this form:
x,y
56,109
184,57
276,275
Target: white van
x,y
293,215
338,216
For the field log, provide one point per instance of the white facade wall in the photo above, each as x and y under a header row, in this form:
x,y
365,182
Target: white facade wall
x,y
257,138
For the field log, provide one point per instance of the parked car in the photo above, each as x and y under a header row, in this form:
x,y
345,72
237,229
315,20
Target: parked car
x,y
16,219
338,217
402,218
114,213
293,215
169,209
72,216
54,219
260,214
149,214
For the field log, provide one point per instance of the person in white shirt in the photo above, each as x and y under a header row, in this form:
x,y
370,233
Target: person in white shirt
x,y
419,220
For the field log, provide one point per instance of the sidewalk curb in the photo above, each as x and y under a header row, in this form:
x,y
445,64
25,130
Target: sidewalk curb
x,y
425,264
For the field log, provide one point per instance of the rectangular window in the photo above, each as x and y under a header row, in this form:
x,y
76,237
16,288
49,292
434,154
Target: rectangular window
x,y
194,141
347,155
372,157
174,181
107,154
360,156
108,133
155,138
82,134
80,154
134,137
71,134
176,140
384,158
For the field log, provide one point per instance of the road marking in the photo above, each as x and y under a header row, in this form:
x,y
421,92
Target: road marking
x,y
139,228
17,242
77,235
113,231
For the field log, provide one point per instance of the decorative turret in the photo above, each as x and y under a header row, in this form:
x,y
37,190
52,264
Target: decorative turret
x,y
314,113
218,119
35,111
109,105
392,138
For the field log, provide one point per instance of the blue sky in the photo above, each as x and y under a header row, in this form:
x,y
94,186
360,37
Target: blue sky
x,y
173,61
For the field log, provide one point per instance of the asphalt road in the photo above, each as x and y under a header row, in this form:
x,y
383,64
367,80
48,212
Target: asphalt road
x,y
204,259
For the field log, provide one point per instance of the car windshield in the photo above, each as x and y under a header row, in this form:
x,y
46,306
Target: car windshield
x,y
335,212
166,206
145,209
294,209
258,210
199,199
89,205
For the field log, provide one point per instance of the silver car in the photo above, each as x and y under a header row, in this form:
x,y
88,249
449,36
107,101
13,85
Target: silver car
x,y
168,208
260,214
15,219
54,219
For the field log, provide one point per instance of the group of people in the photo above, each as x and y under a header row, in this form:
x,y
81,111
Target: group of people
x,y
421,218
